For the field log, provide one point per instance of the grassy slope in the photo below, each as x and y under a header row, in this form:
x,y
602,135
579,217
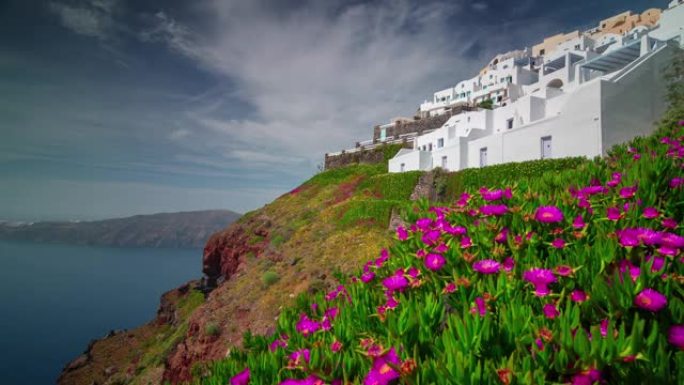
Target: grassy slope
x,y
450,345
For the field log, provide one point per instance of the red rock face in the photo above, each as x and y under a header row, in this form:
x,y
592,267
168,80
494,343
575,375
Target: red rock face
x,y
224,255
226,250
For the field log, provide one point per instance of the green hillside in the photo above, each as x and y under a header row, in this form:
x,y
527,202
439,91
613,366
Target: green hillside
x,y
571,273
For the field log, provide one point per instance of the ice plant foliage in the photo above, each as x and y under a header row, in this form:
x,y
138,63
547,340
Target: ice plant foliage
x,y
574,277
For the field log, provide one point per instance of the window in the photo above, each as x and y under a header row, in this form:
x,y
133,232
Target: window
x,y
383,134
440,142
402,167
430,147
483,156
546,147
542,52
444,162
577,46
509,123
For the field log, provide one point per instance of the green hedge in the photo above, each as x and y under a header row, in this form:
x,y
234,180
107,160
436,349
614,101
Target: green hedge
x,y
395,186
501,175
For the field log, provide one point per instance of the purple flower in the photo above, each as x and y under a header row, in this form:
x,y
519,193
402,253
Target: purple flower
x,y
493,210
279,343
550,311
628,192
673,241
613,213
650,213
241,378
307,326
578,296
431,237
298,357
657,264
558,243
563,270
487,266
675,336
502,236
480,307
508,264
548,214
402,234
494,195
669,223
540,278
466,242
651,300
395,282
578,223
424,223
367,276
382,372
628,237
434,262
676,182
587,377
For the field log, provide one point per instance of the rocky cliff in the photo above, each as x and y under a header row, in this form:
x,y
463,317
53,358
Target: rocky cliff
x,y
252,269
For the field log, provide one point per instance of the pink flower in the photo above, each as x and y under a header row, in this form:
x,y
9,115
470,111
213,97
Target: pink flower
x,y
367,276
466,242
382,371
402,234
563,270
449,288
241,378
494,195
502,236
336,346
669,223
480,307
395,282
508,264
651,300
550,311
587,377
578,296
676,182
558,243
299,357
548,214
279,343
650,213
657,264
613,213
307,326
540,278
628,192
434,262
431,237
493,210
603,327
487,266
675,336
578,223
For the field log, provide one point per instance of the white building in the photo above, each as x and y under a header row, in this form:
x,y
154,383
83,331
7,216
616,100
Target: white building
x,y
580,98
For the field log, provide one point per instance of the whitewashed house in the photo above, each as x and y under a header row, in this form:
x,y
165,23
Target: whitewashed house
x,y
575,94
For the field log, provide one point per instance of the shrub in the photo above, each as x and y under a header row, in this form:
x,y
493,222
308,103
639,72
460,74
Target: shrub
x,y
212,329
269,278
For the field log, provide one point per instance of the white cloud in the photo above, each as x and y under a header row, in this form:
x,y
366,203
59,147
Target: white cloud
x,y
319,77
91,18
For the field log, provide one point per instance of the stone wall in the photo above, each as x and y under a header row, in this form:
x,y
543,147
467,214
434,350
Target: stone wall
x,y
418,124
362,155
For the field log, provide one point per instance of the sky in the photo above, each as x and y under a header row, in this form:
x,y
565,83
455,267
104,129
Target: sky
x,y
111,108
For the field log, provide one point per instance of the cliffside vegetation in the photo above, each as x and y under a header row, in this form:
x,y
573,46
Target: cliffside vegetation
x,y
573,275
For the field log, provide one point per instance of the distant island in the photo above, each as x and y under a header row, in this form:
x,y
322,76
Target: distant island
x,y
165,230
